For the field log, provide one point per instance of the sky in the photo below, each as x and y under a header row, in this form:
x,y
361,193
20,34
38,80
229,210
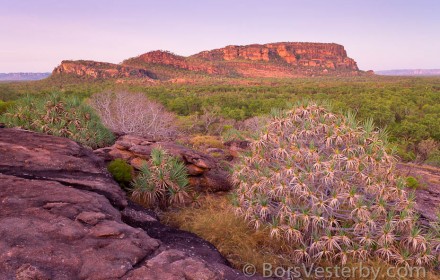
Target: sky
x,y
379,34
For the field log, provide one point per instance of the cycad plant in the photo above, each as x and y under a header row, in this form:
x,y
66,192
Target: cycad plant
x,y
325,183
161,182
65,116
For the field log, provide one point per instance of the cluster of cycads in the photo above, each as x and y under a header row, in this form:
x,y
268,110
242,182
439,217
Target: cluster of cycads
x,y
326,184
161,182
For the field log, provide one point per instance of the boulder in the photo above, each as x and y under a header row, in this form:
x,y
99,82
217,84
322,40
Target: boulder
x,y
204,172
61,218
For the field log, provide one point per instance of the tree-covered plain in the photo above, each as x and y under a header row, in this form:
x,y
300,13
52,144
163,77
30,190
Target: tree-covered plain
x,y
408,107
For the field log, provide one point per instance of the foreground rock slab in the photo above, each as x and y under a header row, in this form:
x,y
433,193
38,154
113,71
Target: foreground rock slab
x,y
428,194
37,156
40,226
60,218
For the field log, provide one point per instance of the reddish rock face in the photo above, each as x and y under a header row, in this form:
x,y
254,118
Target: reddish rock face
x,y
280,60
170,59
275,60
321,55
100,70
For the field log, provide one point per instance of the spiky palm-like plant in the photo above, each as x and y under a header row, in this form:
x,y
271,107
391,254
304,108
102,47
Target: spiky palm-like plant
x,y
163,181
65,116
326,183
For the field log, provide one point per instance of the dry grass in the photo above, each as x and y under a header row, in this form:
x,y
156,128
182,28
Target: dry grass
x,y
206,141
215,221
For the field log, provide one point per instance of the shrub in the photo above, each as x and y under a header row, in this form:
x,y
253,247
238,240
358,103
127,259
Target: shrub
x,y
58,115
412,182
326,184
161,182
207,141
214,221
5,105
133,113
121,172
406,155
230,134
426,148
434,159
253,125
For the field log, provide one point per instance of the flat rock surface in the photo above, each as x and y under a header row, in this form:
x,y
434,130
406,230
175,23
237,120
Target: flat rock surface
x,y
60,218
428,193
37,156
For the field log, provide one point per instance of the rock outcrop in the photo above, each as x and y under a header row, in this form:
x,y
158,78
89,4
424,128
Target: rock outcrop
x,y
428,193
275,60
204,172
282,60
176,61
100,70
60,218
315,55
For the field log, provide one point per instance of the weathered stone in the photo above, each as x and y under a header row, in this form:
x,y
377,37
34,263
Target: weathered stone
x,y
91,218
205,173
194,169
100,70
30,272
51,238
53,229
237,147
428,193
137,162
42,157
288,59
175,265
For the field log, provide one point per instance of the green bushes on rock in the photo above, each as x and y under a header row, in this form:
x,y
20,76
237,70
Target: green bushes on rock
x,y
163,181
326,184
59,115
121,172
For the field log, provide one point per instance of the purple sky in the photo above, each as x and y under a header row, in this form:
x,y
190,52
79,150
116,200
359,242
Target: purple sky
x,y
378,34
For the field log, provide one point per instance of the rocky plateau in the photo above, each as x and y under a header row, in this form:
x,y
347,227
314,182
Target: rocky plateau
x,y
274,60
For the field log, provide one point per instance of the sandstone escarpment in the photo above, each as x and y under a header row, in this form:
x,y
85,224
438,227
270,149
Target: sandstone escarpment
x,y
280,60
274,60
316,55
100,70
169,59
60,218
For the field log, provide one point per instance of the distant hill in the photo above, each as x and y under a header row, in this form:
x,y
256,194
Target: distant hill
x,y
274,60
23,76
409,72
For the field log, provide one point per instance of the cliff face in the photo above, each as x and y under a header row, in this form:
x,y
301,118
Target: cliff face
x,y
100,70
317,55
280,60
176,61
276,60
